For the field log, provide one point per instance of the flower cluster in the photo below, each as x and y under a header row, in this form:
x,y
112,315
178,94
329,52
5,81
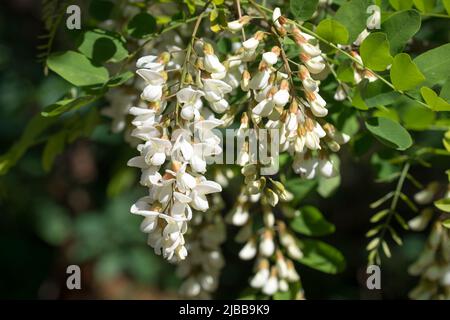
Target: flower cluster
x,y
433,266
176,145
201,270
268,278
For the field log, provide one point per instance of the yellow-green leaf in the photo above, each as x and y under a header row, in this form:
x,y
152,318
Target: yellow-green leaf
x,y
435,102
375,51
404,73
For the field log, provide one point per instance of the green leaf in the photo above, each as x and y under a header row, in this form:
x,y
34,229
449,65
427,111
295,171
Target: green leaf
x,y
375,51
379,215
386,249
353,15
400,27
77,69
447,6
321,256
401,4
310,221
404,73
435,64
332,31
435,102
443,204
120,79
446,223
141,25
102,46
425,5
303,9
300,188
54,146
417,117
389,133
66,105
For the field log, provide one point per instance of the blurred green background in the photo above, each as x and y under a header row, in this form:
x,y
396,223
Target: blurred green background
x,y
79,212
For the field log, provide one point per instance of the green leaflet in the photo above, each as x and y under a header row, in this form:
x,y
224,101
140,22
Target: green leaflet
x,y
353,15
102,46
435,102
435,64
405,75
310,221
400,27
77,69
321,256
389,133
375,51
303,9
332,31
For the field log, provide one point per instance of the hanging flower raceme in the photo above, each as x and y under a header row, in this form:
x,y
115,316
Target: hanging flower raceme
x,y
174,152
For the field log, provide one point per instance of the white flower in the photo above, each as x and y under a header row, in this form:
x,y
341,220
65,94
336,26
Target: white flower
x,y
220,106
315,65
264,108
260,80
199,192
239,216
150,62
248,252
191,287
266,245
251,44
361,37
211,61
270,58
155,82
341,92
237,25
281,97
215,89
191,102
155,151
271,286
184,180
317,104
326,168
275,16
305,166
260,278
292,275
182,149
281,264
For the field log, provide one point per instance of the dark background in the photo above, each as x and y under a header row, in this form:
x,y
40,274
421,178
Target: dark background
x,y
48,221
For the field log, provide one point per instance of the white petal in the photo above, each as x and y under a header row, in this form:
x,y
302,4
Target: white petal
x,y
151,76
152,93
270,58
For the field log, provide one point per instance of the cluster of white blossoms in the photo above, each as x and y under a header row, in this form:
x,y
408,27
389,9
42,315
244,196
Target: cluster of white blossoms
x,y
270,277
433,266
296,115
176,145
303,132
201,270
